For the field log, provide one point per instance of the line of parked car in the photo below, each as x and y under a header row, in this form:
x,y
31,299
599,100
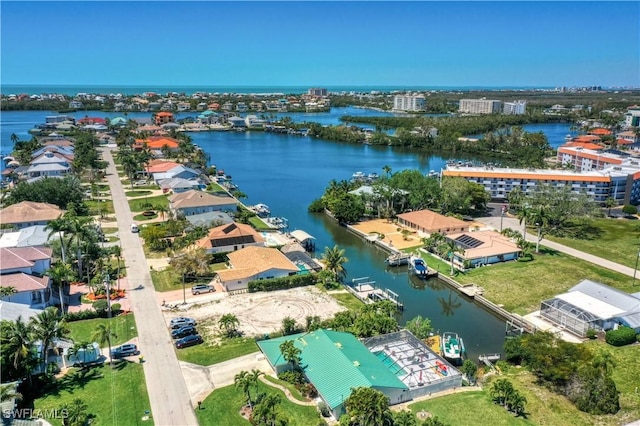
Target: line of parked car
x,y
185,333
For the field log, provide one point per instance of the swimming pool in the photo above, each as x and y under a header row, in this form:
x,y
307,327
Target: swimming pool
x,y
390,364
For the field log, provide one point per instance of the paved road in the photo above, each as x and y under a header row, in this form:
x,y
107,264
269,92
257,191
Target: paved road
x,y
168,393
509,222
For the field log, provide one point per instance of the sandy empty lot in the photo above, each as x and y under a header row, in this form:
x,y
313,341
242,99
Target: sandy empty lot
x,y
263,312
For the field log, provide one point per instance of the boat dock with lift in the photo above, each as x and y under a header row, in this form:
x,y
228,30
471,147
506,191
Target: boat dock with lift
x,y
420,269
368,292
398,259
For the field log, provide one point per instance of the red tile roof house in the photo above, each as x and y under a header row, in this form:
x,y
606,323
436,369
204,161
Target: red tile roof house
x,y
29,213
22,268
426,222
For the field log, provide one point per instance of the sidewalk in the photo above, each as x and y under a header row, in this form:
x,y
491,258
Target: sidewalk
x,y
508,222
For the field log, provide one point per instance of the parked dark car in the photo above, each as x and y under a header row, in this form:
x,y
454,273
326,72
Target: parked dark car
x,y
187,330
181,322
185,342
127,349
202,288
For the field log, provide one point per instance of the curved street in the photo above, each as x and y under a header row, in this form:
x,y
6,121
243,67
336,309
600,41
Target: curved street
x,y
168,393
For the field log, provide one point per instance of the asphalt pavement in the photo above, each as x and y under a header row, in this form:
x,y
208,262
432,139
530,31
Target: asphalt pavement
x,y
168,393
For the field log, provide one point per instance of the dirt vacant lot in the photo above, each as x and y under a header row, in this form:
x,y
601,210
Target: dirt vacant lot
x,y
263,312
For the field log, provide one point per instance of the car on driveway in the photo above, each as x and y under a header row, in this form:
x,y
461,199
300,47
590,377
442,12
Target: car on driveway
x,y
181,322
127,349
202,288
187,330
185,342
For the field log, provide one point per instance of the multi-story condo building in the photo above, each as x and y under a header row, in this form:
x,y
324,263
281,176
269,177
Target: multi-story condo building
x,y
632,117
409,102
480,106
314,91
515,108
622,183
584,160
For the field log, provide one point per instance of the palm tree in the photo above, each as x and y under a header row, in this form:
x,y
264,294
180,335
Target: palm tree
x,y
61,273
334,260
609,203
60,226
451,248
387,170
17,340
539,216
265,412
242,382
8,392
253,378
76,413
229,323
523,214
290,353
80,347
80,230
501,391
162,210
14,138
102,335
47,326
516,403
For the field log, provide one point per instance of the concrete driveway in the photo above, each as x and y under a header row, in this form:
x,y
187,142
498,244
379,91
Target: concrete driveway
x,y
202,380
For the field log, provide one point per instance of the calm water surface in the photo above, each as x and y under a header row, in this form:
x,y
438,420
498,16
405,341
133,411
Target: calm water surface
x,y
288,172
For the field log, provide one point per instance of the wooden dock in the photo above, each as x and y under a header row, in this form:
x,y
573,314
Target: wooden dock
x,y
368,292
471,290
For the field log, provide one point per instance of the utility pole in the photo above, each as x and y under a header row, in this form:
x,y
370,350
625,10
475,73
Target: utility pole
x,y
636,268
106,284
184,291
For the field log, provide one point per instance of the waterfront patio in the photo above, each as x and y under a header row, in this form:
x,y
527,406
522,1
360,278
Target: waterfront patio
x,y
392,237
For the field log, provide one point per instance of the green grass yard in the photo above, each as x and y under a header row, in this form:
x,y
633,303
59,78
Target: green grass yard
x,y
208,354
612,239
259,224
137,193
222,407
347,300
115,396
97,207
138,204
124,327
521,286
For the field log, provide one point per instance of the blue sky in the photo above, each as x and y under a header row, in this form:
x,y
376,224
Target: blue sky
x,y
321,43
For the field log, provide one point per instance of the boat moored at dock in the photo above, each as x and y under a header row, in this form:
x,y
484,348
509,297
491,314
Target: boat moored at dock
x,y
398,259
419,267
452,347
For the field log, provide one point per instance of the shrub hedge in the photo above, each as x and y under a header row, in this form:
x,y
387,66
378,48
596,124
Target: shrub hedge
x,y
620,337
282,283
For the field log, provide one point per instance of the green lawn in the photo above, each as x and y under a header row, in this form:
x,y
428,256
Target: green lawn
x,y
222,407
138,204
214,187
612,239
521,286
141,217
259,224
207,354
347,300
107,230
115,396
137,193
99,206
124,327
168,279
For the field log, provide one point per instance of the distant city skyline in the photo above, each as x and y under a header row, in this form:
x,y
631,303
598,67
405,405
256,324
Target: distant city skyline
x,y
403,44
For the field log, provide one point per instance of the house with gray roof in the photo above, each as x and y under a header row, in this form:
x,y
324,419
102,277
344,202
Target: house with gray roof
x,y
196,202
37,235
592,305
178,171
178,185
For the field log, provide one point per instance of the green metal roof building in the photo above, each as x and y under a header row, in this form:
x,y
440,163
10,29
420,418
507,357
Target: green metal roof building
x,y
334,362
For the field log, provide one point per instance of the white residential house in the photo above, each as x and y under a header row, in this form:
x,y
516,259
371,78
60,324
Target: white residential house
x,y
23,268
196,202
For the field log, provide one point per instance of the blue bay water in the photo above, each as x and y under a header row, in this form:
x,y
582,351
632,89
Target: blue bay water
x,y
287,172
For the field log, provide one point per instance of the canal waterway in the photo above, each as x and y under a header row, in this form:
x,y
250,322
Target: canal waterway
x,y
288,172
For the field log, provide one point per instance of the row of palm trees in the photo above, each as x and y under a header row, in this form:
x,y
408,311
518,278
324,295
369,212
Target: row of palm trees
x,y
503,393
